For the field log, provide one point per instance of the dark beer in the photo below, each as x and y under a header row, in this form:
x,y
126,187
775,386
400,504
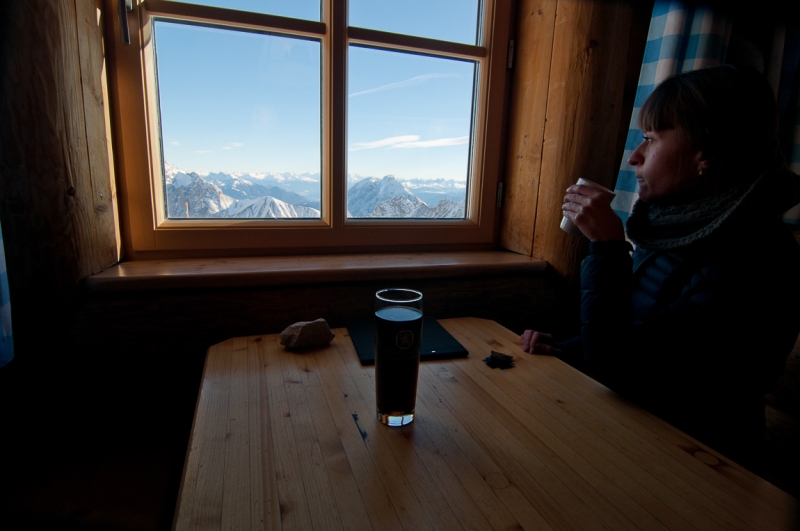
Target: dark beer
x,y
398,331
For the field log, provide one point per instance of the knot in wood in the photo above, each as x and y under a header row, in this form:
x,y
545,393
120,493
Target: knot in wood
x,y
706,458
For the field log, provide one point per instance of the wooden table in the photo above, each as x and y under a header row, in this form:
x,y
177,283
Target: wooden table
x,y
284,440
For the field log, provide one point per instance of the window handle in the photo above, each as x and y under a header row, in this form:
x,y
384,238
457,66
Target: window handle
x,y
125,7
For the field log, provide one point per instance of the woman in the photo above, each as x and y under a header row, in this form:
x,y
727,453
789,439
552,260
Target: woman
x,y
696,324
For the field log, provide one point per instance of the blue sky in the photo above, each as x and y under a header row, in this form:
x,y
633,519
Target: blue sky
x,y
247,102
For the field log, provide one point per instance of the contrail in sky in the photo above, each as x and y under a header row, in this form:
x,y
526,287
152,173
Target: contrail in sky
x,y
405,83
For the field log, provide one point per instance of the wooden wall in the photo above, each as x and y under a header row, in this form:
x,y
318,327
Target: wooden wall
x,y
57,194
576,69
58,216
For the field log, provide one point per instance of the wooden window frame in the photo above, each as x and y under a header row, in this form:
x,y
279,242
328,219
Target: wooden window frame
x,y
147,235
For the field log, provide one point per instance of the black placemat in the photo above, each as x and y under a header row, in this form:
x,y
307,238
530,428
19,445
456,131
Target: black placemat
x,y
437,343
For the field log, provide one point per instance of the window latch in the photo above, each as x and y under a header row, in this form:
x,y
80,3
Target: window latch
x,y
124,7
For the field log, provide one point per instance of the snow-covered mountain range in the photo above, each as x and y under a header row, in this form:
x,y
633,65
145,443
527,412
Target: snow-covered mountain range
x,y
390,198
290,195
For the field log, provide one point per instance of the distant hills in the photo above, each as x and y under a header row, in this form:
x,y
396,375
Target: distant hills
x,y
289,195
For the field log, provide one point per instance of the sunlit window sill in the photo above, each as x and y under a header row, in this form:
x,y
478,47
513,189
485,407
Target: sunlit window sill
x,y
288,270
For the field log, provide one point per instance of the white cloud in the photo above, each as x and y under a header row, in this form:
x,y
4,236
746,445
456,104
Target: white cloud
x,y
417,80
409,141
237,144
432,143
358,146
175,143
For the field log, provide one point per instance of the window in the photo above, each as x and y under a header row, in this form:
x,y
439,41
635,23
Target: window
x,y
253,152
246,126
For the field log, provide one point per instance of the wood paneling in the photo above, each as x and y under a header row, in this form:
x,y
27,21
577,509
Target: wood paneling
x,y
584,108
534,44
176,318
583,115
101,193
54,157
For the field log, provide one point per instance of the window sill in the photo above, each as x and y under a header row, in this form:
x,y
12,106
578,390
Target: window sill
x,y
283,270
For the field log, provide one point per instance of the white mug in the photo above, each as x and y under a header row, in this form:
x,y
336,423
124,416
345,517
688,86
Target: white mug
x,y
566,224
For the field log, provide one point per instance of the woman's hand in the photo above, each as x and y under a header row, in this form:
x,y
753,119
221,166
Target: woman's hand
x,y
590,211
538,342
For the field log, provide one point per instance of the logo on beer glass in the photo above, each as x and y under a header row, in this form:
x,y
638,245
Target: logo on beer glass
x,y
404,339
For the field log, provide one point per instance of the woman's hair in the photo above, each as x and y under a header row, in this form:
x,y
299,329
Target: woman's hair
x,y
726,112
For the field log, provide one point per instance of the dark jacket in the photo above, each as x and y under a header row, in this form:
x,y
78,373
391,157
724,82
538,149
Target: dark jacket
x,y
696,334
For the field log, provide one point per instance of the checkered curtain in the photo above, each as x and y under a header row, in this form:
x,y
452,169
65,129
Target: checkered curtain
x,y
681,38
6,339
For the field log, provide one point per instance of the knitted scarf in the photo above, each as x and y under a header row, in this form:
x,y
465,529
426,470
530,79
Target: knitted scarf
x,y
662,227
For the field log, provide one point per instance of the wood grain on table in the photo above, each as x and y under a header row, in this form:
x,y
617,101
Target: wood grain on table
x,y
285,440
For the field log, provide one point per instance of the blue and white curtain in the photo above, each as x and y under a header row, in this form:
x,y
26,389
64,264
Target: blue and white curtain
x,y
680,39
6,339
684,38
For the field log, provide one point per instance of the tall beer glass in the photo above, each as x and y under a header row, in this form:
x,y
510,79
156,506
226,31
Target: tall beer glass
x,y
398,332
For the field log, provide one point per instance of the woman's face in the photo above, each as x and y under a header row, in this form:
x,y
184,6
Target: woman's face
x,y
667,168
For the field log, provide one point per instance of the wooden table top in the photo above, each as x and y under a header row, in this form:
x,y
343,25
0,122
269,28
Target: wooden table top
x,y
286,440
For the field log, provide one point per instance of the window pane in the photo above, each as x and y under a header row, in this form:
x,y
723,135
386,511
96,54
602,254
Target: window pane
x,y
447,20
409,134
240,123
305,9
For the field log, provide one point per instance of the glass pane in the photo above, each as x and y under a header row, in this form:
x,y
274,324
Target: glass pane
x,y
305,9
240,123
446,20
409,130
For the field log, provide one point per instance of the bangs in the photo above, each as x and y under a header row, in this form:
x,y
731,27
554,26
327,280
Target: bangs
x,y
659,111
